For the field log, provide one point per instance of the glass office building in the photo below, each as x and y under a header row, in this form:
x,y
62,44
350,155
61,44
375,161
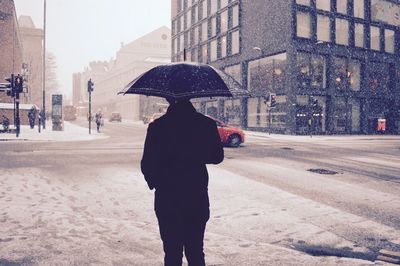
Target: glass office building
x,y
333,64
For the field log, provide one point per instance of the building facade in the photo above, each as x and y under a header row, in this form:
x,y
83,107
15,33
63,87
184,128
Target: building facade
x,y
32,39
332,64
110,77
11,48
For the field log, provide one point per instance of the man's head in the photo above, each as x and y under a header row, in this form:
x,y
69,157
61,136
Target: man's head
x,y
175,101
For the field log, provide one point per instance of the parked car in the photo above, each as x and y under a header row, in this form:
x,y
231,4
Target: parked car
x,y
230,136
115,117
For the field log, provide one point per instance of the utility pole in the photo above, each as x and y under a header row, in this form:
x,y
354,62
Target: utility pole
x,y
44,67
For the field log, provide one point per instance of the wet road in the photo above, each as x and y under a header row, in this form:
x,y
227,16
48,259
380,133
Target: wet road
x,y
359,195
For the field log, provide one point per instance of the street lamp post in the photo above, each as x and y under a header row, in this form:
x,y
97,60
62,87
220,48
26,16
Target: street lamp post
x,y
44,67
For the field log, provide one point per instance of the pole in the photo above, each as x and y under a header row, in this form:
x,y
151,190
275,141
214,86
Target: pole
x,y
17,131
44,66
269,121
90,112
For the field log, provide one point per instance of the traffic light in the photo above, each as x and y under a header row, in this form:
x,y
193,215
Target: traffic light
x,y
11,86
90,85
272,99
18,84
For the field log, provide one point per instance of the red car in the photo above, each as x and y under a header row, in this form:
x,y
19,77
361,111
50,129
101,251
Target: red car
x,y
230,136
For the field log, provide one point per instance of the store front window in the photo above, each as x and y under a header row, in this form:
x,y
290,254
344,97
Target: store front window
x,y
380,78
340,115
347,74
354,107
233,112
311,71
267,74
310,114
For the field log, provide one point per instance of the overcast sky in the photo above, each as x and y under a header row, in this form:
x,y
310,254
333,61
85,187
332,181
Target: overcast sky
x,y
80,31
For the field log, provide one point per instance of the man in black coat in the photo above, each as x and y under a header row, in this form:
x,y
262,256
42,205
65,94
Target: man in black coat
x,y
177,148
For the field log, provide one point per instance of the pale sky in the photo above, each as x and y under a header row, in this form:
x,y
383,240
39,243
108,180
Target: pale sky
x,y
80,31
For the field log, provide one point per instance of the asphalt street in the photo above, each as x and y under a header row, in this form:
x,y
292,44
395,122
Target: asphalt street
x,y
327,197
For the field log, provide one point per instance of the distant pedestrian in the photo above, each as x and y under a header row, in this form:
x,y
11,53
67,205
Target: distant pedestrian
x,y
177,148
98,120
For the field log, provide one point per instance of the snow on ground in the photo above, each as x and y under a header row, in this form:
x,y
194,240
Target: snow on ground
x,y
71,132
104,216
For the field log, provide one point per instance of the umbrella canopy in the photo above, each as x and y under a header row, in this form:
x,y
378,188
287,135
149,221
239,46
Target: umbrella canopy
x,y
185,81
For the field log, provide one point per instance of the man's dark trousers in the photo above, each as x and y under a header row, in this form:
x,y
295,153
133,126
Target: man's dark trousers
x,y
183,229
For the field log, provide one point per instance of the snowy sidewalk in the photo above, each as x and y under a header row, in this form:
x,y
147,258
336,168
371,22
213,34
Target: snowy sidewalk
x,y
105,216
71,132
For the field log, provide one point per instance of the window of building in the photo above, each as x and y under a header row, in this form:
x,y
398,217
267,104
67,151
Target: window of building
x,y
341,6
389,41
323,28
375,38
195,13
213,24
213,6
213,50
342,31
224,21
311,71
204,31
204,55
347,74
181,5
324,5
267,74
303,25
179,24
340,114
223,45
303,2
233,112
175,44
235,42
203,9
354,75
379,78
385,11
252,114
359,9
224,3
188,55
195,55
196,35
181,43
359,35
188,19
354,107
235,72
173,27
235,16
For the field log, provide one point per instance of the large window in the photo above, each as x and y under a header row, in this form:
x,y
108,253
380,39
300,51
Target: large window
x,y
224,21
354,107
235,16
359,8
341,6
380,78
324,5
385,11
267,74
203,9
235,42
342,31
223,45
204,31
213,7
340,114
323,28
235,72
213,50
375,38
213,23
389,41
347,74
188,21
311,71
224,3
303,25
359,35
204,55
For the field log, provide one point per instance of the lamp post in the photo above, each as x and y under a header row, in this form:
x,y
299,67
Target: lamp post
x,y
44,66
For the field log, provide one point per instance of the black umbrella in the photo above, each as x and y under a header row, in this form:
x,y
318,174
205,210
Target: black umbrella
x,y
185,80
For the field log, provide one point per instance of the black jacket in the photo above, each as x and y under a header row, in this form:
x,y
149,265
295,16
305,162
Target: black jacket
x,y
177,148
